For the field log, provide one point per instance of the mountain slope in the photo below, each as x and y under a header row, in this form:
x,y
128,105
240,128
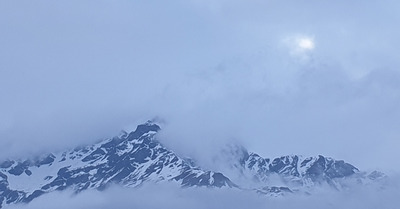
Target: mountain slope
x,y
130,160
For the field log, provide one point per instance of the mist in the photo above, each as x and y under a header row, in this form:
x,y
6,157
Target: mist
x,y
215,72
169,195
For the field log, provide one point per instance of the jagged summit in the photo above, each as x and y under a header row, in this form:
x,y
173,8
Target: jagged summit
x,y
135,158
147,127
292,172
299,171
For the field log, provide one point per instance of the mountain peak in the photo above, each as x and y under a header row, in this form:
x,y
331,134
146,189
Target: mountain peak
x,y
142,129
148,126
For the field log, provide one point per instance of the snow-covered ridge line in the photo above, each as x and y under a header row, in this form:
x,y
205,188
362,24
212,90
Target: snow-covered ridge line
x,y
132,159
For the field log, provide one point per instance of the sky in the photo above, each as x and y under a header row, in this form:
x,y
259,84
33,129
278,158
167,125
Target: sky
x,y
279,77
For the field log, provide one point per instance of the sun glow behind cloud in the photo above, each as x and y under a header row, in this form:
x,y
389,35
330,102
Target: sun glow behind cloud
x,y
306,43
300,47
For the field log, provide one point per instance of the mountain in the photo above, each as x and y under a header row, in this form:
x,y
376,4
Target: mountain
x,y
292,173
132,159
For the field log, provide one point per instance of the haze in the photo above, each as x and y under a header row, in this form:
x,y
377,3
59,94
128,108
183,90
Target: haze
x,y
280,77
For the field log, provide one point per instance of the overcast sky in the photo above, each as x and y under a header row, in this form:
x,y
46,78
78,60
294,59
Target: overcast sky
x,y
280,77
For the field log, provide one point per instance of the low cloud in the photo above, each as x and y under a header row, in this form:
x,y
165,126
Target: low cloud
x,y
171,196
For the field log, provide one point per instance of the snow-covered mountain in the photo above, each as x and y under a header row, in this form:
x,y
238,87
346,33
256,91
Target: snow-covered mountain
x,y
292,173
131,160
135,158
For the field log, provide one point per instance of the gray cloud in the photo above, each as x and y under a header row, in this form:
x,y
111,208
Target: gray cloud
x,y
78,71
170,196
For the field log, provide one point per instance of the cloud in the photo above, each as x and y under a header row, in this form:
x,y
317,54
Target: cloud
x,y
169,195
75,72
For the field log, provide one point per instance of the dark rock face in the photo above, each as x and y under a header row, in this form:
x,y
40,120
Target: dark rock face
x,y
300,172
19,168
6,164
45,161
285,165
129,160
7,195
274,191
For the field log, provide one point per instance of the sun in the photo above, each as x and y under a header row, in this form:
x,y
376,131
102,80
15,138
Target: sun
x,y
305,43
301,47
